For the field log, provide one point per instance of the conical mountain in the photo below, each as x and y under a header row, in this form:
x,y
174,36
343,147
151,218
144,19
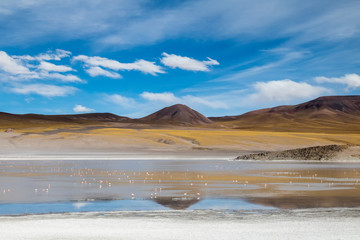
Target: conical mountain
x,y
177,114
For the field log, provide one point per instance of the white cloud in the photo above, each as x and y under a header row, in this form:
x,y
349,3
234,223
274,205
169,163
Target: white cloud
x,y
19,70
139,65
98,71
165,97
120,100
284,91
351,80
186,63
50,67
63,78
82,109
170,98
206,101
57,55
10,65
44,90
145,67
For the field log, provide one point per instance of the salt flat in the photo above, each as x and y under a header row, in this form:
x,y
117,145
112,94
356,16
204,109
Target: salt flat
x,y
286,224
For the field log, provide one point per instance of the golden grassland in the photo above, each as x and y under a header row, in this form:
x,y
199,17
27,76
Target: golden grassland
x,y
172,137
219,138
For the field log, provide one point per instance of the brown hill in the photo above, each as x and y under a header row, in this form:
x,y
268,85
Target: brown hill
x,y
324,114
177,114
335,114
34,120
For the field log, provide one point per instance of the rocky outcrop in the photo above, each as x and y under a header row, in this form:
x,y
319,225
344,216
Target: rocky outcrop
x,y
9,130
327,152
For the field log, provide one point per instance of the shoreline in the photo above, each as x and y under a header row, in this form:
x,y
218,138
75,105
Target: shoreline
x,y
286,224
165,156
115,157
79,157
167,159
200,213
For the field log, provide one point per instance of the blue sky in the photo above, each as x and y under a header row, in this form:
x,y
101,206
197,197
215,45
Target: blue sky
x,y
133,57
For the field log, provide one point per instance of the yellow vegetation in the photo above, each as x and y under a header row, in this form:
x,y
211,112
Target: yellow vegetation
x,y
241,139
186,138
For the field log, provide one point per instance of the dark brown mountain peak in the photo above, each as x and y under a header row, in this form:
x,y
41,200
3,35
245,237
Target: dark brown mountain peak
x,y
345,104
179,114
329,113
338,98
327,105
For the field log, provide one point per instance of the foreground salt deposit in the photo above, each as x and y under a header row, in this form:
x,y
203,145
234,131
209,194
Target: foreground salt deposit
x,y
285,224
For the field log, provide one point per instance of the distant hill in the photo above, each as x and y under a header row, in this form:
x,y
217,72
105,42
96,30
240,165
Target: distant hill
x,y
330,113
177,114
335,114
38,120
60,118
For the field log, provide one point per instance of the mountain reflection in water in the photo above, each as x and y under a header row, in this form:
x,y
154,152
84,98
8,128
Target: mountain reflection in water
x,y
177,203
181,184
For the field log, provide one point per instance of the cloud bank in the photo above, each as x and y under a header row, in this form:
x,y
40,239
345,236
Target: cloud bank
x,y
45,90
285,91
350,80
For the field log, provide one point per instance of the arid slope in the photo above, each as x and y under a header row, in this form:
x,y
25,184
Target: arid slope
x,y
335,114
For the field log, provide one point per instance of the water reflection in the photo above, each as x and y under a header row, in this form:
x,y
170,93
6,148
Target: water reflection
x,y
177,203
181,184
294,202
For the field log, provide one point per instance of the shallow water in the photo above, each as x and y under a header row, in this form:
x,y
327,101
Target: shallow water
x,y
134,185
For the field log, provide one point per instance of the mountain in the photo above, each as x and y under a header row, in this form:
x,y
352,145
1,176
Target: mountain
x,y
177,114
64,118
334,114
330,113
37,120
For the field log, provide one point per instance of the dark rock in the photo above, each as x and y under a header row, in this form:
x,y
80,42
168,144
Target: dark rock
x,y
311,153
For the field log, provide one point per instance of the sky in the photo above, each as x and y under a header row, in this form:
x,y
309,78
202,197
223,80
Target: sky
x,y
134,57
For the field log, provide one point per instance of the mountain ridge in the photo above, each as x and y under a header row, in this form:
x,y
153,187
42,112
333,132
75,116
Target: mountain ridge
x,y
324,102
326,113
320,114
